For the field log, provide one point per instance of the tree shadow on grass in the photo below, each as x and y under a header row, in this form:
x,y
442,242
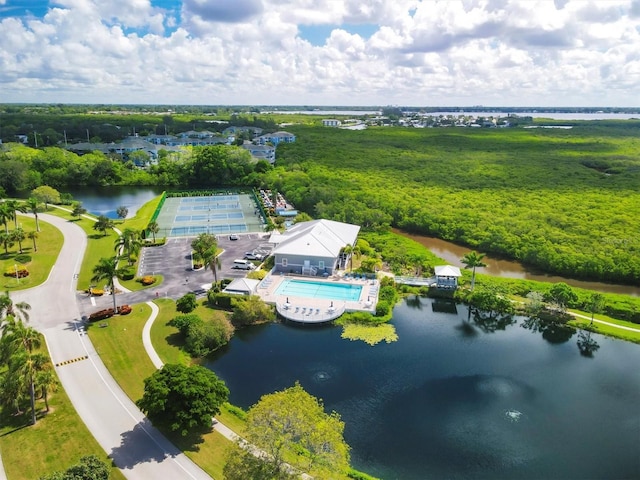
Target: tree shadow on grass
x,y
190,442
13,422
175,340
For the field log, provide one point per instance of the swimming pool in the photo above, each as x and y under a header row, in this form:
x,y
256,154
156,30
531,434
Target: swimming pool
x,y
324,290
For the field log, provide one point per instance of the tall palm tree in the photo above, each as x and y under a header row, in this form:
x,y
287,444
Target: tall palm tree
x,y
472,260
16,350
46,382
351,251
32,205
6,214
6,240
201,244
131,241
107,269
16,310
212,261
16,207
12,391
19,236
154,228
16,335
33,235
26,367
103,224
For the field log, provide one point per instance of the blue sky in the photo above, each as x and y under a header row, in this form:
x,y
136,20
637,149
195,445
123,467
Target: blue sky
x,y
23,8
322,52
318,34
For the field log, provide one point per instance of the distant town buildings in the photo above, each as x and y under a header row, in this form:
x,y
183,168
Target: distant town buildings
x,y
261,147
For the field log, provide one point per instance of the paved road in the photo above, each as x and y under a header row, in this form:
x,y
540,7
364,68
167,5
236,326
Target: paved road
x,y
137,448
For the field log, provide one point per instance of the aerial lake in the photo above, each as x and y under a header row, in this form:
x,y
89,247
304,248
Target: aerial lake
x,y
457,399
106,200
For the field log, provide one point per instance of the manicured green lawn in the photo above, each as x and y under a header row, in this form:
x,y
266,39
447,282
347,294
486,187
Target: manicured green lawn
x,y
48,243
55,443
632,336
120,348
166,339
142,217
119,345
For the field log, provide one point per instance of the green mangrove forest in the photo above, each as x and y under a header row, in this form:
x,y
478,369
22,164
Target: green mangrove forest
x,y
564,201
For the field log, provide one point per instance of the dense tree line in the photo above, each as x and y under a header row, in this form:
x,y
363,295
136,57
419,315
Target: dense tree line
x,y
24,168
564,201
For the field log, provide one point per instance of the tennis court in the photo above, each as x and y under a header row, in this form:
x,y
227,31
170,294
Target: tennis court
x,y
217,214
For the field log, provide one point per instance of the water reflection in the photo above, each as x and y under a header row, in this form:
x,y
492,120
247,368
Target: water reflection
x,y
490,322
441,401
414,301
553,331
587,345
443,305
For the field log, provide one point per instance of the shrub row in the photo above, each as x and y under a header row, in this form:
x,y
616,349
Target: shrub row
x,y
124,309
109,312
101,314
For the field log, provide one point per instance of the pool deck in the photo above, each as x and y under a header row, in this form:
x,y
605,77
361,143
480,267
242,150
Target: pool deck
x,y
317,310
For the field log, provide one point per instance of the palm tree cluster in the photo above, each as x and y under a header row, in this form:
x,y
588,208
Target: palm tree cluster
x,y
205,252
129,242
9,212
26,371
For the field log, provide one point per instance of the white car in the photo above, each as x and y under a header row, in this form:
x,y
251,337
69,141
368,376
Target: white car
x,y
253,256
233,236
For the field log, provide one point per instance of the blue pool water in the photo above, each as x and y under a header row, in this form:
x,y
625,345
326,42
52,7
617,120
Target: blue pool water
x,y
327,291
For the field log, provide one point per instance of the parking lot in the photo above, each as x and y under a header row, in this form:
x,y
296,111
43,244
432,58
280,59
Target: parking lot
x,y
173,260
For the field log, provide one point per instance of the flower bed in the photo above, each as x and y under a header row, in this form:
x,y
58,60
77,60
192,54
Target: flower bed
x,y
147,280
124,310
14,271
101,314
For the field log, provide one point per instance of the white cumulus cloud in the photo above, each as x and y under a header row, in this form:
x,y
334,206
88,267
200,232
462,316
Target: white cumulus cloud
x,y
416,52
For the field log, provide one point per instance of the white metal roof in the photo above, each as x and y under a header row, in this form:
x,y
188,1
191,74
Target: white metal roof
x,y
247,285
317,238
447,271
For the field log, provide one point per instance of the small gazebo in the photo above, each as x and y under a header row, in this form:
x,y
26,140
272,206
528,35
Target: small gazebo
x,y
447,276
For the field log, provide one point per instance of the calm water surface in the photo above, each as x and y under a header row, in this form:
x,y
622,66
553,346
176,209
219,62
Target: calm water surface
x,y
457,399
106,200
497,267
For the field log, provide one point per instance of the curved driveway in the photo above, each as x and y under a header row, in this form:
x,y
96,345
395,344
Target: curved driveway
x,y
135,446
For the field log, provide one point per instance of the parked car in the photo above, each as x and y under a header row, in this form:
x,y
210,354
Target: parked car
x,y
243,264
253,256
233,236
